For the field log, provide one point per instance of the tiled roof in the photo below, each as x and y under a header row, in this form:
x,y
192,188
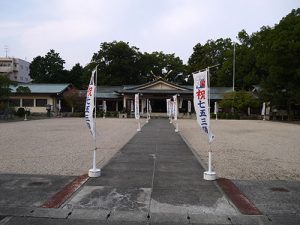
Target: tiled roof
x,y
43,88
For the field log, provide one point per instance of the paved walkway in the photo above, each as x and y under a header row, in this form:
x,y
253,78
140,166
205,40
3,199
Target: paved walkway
x,y
153,179
158,155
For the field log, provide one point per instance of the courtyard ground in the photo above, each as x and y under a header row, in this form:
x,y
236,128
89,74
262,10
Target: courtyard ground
x,y
242,149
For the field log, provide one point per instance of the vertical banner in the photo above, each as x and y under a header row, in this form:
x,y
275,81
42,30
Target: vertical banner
x,y
131,106
201,102
171,108
59,105
189,106
147,106
263,110
150,108
168,107
90,105
136,106
104,106
216,108
175,107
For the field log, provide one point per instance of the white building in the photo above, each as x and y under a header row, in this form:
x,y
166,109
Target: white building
x,y
16,69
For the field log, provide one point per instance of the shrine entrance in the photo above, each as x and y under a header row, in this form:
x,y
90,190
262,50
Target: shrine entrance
x,y
159,105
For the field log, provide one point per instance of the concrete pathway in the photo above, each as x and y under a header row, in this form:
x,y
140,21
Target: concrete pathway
x,y
158,155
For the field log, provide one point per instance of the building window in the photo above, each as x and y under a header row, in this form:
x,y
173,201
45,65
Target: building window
x,y
41,102
28,102
15,102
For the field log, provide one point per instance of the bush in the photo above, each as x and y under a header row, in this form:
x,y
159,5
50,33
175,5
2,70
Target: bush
x,y
114,114
20,112
77,114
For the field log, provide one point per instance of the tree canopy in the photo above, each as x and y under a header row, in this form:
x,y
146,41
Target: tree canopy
x,y
47,69
5,91
119,63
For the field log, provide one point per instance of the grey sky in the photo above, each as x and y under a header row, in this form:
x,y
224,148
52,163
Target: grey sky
x,y
75,28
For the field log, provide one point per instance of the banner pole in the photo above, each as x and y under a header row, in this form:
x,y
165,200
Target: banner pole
x,y
209,159
209,175
137,110
147,107
94,172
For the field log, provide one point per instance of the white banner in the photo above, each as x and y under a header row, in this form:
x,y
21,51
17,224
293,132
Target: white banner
x,y
171,108
104,106
216,109
168,107
131,106
263,110
90,105
201,103
136,106
150,108
175,107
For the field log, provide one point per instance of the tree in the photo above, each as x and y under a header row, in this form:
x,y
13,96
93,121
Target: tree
x,y
23,89
48,69
240,101
278,53
5,91
73,99
213,53
158,64
75,75
118,63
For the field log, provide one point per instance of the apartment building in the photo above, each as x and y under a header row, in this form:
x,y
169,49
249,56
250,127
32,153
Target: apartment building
x,y
16,69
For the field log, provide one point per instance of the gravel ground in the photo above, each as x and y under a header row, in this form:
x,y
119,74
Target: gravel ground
x,y
61,146
248,149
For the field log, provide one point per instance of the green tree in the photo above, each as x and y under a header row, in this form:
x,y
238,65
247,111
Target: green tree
x,y
240,101
278,54
73,99
75,75
5,91
213,53
159,64
23,89
48,69
118,63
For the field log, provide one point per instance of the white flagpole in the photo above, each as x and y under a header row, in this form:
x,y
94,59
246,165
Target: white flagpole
x,y
104,108
216,110
94,172
137,110
147,106
263,111
209,175
176,112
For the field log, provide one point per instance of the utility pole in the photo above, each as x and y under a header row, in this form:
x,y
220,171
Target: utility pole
x,y
233,69
6,50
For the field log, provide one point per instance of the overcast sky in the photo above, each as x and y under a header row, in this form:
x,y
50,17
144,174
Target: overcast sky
x,y
75,28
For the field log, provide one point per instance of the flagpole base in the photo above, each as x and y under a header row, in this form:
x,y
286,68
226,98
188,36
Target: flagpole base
x,y
139,127
94,172
209,175
176,129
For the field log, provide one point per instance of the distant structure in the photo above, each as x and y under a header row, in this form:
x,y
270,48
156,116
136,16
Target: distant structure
x,y
15,69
